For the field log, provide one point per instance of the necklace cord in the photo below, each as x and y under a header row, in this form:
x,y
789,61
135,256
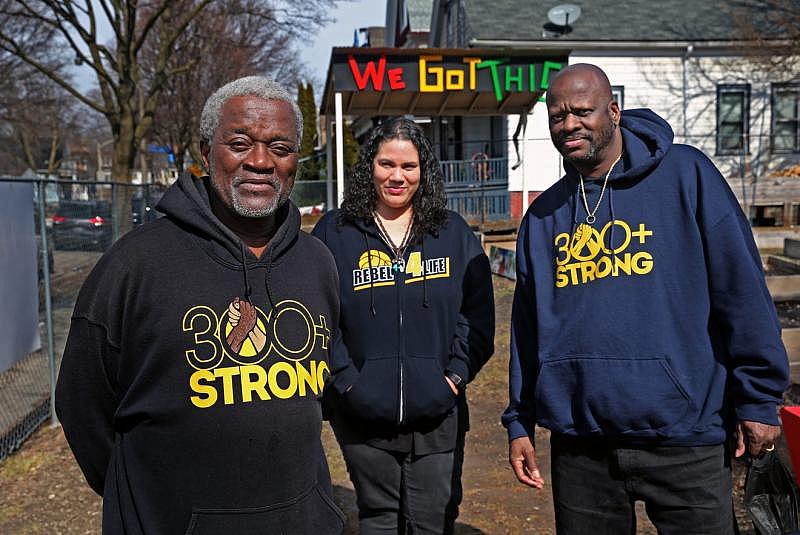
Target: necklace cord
x,y
398,250
590,213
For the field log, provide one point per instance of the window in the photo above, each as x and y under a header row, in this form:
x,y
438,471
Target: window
x,y
785,118
733,118
618,92
767,216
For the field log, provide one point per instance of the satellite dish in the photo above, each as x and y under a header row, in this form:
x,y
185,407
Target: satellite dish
x,y
563,14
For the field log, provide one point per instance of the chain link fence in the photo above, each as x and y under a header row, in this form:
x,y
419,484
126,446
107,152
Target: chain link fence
x,y
74,224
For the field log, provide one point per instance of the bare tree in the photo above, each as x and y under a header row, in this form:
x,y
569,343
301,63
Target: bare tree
x,y
123,100
128,96
115,65
39,116
770,30
16,73
222,46
35,113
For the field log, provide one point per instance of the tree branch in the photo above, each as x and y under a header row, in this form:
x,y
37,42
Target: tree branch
x,y
12,47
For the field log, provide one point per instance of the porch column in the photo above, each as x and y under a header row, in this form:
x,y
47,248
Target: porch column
x,y
339,151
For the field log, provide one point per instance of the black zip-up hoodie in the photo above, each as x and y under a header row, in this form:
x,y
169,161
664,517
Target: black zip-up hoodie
x,y
189,388
400,331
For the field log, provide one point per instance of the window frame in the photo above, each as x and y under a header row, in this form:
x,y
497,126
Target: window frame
x,y
789,87
619,90
744,90
758,212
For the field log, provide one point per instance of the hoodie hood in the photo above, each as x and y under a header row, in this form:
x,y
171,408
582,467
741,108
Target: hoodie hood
x,y
646,138
187,202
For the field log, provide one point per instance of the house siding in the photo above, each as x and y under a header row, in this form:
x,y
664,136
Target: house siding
x,y
656,82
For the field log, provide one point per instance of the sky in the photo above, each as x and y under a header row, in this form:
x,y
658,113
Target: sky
x,y
349,16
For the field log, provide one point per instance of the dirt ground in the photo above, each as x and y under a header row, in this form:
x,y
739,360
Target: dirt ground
x,y
43,492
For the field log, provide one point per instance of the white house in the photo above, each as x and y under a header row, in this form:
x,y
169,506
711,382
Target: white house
x,y
687,61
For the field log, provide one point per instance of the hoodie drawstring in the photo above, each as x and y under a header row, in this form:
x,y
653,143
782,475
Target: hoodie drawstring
x,y
575,209
613,224
247,288
575,205
266,280
424,274
371,289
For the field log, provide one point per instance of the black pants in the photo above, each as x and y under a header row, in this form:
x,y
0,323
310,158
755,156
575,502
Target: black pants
x,y
399,493
686,490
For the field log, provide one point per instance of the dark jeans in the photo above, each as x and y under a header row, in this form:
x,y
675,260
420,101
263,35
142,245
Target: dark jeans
x,y
400,493
686,490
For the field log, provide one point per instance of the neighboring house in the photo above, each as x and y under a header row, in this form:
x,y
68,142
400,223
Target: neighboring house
x,y
408,23
685,60
76,163
458,137
104,155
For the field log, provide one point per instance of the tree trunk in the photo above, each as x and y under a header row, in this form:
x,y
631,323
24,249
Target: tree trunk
x,y
25,143
121,171
52,159
178,153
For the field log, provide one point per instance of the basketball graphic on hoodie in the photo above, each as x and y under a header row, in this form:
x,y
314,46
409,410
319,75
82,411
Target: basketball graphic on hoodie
x,y
373,258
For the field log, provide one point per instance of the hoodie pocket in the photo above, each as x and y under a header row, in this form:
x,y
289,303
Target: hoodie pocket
x,y
374,395
608,395
313,512
426,393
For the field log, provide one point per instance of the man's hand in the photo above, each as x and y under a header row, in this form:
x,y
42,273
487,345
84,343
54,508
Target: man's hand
x,y
522,457
248,319
755,437
243,320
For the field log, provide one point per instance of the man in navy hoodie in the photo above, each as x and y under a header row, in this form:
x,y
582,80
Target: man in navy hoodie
x,y
643,334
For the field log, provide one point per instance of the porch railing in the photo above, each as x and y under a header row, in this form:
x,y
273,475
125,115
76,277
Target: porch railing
x,y
477,188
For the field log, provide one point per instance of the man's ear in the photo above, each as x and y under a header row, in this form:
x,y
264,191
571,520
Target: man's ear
x,y
205,148
614,111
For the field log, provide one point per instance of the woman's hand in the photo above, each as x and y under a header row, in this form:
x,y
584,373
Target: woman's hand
x,y
452,385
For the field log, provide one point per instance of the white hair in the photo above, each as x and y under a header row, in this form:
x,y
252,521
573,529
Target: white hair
x,y
256,86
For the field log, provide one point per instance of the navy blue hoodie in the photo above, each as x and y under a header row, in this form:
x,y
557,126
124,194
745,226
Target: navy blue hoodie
x,y
653,325
399,332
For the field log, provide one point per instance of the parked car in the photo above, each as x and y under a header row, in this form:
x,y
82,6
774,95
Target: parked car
x,y
82,225
146,203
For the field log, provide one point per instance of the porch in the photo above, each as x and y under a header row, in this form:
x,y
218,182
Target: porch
x,y
477,188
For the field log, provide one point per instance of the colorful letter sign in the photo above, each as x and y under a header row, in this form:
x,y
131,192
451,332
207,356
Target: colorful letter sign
x,y
438,73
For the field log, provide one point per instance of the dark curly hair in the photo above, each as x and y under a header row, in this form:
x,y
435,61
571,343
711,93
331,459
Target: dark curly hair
x,y
429,201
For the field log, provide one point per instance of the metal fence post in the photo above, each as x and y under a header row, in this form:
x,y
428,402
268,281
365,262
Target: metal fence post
x,y
48,304
115,222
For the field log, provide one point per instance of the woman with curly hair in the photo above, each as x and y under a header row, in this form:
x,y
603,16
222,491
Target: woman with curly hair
x,y
416,325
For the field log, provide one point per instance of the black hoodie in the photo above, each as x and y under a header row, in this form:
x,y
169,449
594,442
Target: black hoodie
x,y
180,415
400,331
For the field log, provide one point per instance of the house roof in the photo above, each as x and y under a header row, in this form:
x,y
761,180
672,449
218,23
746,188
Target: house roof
x,y
612,20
